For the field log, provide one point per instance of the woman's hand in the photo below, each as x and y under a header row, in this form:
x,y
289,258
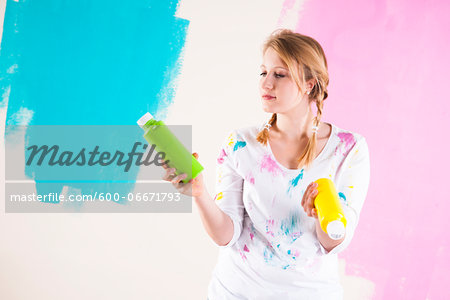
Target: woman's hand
x,y
195,187
308,200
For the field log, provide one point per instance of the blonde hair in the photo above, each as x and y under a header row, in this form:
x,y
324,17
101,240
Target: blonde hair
x,y
304,56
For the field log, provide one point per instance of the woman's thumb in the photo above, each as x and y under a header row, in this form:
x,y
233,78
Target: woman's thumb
x,y
195,155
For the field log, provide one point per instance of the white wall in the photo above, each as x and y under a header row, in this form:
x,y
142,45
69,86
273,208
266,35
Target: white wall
x,y
151,256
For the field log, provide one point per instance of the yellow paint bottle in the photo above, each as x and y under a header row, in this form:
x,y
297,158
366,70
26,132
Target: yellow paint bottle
x,y
329,209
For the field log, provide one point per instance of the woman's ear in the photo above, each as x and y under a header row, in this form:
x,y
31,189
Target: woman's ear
x,y
310,84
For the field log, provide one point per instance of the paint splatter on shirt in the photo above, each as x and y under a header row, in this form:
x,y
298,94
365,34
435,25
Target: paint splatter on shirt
x,y
274,247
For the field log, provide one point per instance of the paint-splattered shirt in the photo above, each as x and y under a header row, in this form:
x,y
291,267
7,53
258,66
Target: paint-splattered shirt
x,y
275,252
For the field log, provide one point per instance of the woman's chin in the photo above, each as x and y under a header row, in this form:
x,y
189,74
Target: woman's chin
x,y
267,109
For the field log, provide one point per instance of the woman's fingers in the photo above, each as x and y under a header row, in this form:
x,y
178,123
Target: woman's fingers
x,y
306,194
183,187
170,174
308,199
178,178
311,202
165,166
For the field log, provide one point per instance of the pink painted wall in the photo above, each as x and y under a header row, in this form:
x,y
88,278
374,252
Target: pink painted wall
x,y
389,63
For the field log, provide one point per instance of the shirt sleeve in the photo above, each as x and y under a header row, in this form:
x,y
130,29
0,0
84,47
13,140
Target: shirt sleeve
x,y
229,185
352,186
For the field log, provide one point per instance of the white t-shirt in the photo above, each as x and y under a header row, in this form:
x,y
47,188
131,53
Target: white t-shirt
x,y
275,252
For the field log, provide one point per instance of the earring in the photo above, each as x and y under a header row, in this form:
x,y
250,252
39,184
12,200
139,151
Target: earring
x,y
307,93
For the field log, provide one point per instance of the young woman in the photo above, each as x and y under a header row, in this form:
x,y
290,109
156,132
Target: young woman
x,y
263,216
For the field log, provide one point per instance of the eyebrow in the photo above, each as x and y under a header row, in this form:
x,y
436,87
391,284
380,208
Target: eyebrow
x,y
274,67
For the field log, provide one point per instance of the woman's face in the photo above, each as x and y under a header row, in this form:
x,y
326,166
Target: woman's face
x,y
277,84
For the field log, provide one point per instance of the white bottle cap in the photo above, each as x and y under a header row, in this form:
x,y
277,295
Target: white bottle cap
x,y
144,119
336,230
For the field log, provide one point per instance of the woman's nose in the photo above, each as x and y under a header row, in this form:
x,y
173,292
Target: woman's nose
x,y
267,83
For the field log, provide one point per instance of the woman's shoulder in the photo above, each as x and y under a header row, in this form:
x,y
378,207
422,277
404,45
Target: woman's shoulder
x,y
241,137
247,133
347,134
346,139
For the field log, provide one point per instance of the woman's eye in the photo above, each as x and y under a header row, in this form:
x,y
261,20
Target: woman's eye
x,y
275,74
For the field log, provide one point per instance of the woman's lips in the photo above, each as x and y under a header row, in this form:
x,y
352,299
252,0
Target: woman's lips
x,y
268,97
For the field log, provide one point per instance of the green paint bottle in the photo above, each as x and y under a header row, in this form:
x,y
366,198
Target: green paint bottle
x,y
158,134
